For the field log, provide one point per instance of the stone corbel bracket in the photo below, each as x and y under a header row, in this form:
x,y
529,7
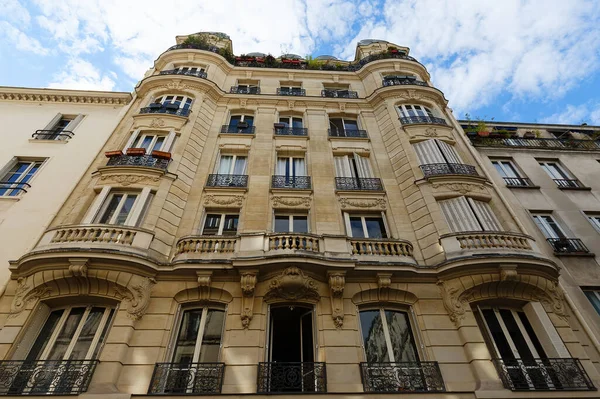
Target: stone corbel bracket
x,y
337,281
248,285
204,281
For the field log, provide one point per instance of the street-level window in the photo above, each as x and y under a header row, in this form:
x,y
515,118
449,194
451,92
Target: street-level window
x,y
387,336
220,224
199,336
466,214
16,180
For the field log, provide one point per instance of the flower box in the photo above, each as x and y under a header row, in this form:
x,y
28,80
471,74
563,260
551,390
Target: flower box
x,y
161,154
279,125
136,152
112,154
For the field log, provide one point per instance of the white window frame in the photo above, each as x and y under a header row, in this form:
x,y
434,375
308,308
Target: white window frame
x,y
560,173
290,88
291,221
11,165
136,214
181,69
138,136
507,170
290,120
594,219
221,223
353,165
362,216
418,110
434,151
291,169
344,119
73,122
233,162
545,227
595,294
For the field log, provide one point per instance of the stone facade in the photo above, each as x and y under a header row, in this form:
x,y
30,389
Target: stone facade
x,y
372,288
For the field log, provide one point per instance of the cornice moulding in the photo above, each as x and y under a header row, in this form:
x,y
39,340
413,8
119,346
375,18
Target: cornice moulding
x,y
64,96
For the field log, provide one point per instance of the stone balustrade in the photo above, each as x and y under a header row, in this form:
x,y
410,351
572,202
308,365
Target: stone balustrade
x,y
457,244
206,245
381,247
293,241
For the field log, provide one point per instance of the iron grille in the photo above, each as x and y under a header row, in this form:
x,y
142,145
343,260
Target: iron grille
x,y
284,377
293,92
237,129
568,183
187,378
216,180
403,81
517,182
358,183
52,134
339,93
165,110
402,377
291,131
8,185
437,169
538,143
567,245
45,377
198,74
297,182
138,160
409,120
244,90
564,374
352,133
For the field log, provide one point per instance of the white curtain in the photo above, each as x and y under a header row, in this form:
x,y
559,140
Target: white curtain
x,y
428,152
342,166
486,216
240,166
459,215
299,167
449,152
282,166
225,164
363,166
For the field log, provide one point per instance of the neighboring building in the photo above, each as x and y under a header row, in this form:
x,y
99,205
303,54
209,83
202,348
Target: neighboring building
x,y
279,226
50,137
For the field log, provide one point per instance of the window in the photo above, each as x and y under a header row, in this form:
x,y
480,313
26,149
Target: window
x,y
231,165
150,142
16,180
60,127
365,226
560,175
548,226
340,125
187,70
411,110
291,91
199,336
290,167
220,224
241,124
594,219
594,297
291,121
177,102
509,172
466,214
387,336
354,166
247,89
436,152
290,224
125,208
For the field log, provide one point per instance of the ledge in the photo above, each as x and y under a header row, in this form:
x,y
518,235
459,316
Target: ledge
x,y
159,121
575,188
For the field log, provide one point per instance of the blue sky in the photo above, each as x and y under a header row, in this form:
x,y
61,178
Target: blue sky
x,y
517,60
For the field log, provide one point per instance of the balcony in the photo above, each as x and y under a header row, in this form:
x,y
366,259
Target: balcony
x,y
557,374
441,169
238,129
537,143
187,378
45,377
288,377
338,93
402,377
290,131
206,245
216,180
15,188
380,247
491,240
430,120
570,184
518,182
148,161
402,81
358,183
170,109
291,92
53,134
348,133
291,182
244,90
568,246
198,74
294,241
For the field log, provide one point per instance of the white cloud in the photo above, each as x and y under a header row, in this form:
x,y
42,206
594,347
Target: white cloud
x,y
21,40
13,11
82,75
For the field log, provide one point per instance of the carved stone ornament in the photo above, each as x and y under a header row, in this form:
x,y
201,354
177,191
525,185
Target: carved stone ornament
x,y
137,296
377,203
204,281
431,132
234,200
291,202
342,106
462,188
291,104
248,285
79,270
157,123
243,102
336,288
126,180
455,307
292,285
25,293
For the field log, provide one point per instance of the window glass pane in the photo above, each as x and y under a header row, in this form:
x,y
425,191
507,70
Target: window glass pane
x,y
235,119
240,166
374,341
211,225
499,169
110,209
144,142
594,299
300,224
357,228
336,125
211,340
103,335
529,330
225,164
188,332
375,228
296,122
285,120
87,334
42,340
158,144
420,111
126,208
64,338
516,335
497,334
350,124
16,172
282,224
403,343
249,120
31,172
231,225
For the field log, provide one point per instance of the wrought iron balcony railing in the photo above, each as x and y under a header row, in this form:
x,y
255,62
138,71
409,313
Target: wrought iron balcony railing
x,y
198,74
290,131
440,169
8,188
556,374
351,133
238,129
402,377
138,160
165,109
358,183
339,93
537,143
568,183
297,182
52,134
518,182
403,81
291,92
286,377
567,246
187,378
244,90
217,180
45,377
432,120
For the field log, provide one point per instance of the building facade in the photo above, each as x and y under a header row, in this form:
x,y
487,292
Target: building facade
x,y
280,226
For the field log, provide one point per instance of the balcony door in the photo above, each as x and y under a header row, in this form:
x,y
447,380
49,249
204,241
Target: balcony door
x,y
231,165
436,152
353,166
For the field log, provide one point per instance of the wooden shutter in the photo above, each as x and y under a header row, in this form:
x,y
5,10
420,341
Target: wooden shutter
x,y
449,152
73,124
53,122
428,152
485,215
459,215
30,334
